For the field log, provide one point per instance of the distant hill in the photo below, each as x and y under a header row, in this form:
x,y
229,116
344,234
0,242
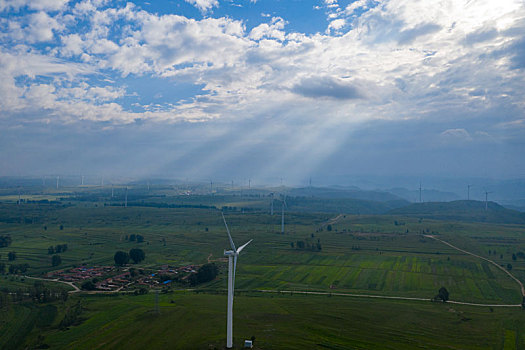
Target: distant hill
x,y
462,211
341,192
428,195
341,205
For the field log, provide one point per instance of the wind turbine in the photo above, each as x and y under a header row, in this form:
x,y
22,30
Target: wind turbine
x,y
468,192
419,191
271,205
58,179
232,264
282,213
487,200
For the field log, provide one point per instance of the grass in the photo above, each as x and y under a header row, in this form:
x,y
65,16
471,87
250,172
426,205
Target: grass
x,y
197,321
365,254
381,255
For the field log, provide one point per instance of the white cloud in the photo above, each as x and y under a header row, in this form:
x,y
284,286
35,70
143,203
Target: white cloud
x,y
39,5
204,5
41,27
456,135
240,71
336,25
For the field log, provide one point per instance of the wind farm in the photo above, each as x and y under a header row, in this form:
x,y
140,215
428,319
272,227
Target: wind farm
x,y
211,174
327,262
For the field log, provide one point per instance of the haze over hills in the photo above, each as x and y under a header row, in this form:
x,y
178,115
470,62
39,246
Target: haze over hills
x,y
471,211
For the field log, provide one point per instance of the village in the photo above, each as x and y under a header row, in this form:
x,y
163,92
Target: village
x,y
114,279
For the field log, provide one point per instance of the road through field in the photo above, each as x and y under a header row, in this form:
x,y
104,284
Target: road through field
x,y
483,258
76,289
380,297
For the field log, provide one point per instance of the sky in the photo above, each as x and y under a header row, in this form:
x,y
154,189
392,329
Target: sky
x,y
263,90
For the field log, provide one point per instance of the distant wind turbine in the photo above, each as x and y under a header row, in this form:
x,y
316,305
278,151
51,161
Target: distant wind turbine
x,y
419,191
82,181
271,204
126,198
58,178
282,213
468,192
232,265
487,200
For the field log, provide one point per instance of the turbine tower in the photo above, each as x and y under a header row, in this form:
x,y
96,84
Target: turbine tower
x,y
468,192
419,191
58,178
282,214
487,200
271,205
232,264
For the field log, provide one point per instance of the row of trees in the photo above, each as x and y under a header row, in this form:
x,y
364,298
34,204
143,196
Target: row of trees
x,y
5,241
59,248
133,237
13,268
306,245
135,254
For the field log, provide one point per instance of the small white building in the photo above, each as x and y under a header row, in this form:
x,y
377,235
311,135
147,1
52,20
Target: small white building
x,y
248,344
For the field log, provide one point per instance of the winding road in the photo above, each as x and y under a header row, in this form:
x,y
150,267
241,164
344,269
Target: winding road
x,y
483,258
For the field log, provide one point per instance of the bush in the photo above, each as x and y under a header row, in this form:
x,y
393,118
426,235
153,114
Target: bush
x,y
88,285
205,273
137,255
121,258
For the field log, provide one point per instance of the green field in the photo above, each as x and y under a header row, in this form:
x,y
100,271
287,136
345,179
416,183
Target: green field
x,y
362,254
196,321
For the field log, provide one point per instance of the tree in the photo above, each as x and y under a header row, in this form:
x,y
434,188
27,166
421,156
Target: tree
x,y
137,255
509,267
5,241
11,256
88,285
51,250
61,227
121,258
442,294
56,260
514,257
140,238
329,227
205,273
132,237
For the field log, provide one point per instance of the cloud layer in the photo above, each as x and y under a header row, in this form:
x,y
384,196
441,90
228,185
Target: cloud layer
x,y
457,65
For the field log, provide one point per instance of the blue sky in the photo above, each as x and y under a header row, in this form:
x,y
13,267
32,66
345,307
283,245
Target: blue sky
x,y
261,89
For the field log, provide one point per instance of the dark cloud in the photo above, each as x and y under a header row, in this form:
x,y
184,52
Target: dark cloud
x,y
316,87
408,36
517,52
482,35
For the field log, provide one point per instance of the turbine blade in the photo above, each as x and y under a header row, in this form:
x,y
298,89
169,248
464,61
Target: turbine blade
x,y
229,235
242,247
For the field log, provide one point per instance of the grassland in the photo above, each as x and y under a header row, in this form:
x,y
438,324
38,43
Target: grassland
x,y
366,254
196,321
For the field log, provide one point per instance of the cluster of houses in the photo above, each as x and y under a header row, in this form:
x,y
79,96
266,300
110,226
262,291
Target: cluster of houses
x,y
81,273
110,278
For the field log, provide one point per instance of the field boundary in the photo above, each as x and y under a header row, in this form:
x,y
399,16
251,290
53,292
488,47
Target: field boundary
x,y
382,297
